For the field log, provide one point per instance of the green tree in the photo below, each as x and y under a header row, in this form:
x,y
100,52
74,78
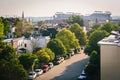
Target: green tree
x,y
94,27
23,28
41,25
49,32
57,47
6,26
68,39
27,60
7,52
96,36
9,64
109,27
1,29
95,58
75,19
93,67
79,33
45,55
9,71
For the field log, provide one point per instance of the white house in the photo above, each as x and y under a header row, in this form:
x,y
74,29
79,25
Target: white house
x,y
25,44
28,45
42,41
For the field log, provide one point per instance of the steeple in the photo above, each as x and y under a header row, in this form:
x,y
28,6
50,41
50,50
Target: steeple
x,y
22,14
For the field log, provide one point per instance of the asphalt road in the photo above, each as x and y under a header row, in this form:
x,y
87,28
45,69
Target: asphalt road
x,y
70,69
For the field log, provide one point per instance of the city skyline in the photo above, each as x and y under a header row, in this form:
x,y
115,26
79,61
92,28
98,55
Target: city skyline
x,y
41,8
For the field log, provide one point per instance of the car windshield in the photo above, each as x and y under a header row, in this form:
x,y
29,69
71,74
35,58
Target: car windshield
x,y
31,73
37,71
83,75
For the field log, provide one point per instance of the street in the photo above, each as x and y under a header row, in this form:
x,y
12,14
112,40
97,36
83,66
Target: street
x,y
70,69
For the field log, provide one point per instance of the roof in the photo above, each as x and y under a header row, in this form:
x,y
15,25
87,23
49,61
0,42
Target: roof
x,y
113,39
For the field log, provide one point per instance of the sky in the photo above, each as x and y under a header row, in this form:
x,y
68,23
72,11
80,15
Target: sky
x,y
42,8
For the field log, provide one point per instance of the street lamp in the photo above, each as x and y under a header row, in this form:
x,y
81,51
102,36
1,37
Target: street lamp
x,y
33,64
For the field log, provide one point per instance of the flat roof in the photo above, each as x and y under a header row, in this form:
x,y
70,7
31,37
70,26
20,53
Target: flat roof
x,y
110,40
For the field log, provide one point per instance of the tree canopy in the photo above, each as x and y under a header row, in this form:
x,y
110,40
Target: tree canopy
x,y
1,28
7,52
93,28
75,19
27,60
96,36
57,47
93,67
23,27
109,27
49,32
45,55
79,33
68,39
10,69
6,26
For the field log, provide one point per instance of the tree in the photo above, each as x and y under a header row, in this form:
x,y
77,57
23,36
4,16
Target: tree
x,y
96,36
45,55
57,47
75,19
49,32
79,33
6,26
23,27
95,58
1,28
93,67
7,52
41,25
109,27
27,60
68,39
94,27
9,71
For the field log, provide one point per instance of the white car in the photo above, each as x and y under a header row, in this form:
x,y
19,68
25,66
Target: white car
x,y
38,71
82,76
32,75
50,65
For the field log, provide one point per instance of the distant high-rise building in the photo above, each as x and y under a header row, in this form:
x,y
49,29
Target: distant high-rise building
x,y
22,14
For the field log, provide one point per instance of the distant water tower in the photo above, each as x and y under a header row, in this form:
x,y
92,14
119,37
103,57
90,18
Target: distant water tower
x,y
22,14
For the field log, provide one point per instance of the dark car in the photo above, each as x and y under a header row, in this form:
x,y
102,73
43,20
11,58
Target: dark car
x,y
45,68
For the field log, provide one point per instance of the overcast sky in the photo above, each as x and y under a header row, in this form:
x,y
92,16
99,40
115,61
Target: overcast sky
x,y
50,7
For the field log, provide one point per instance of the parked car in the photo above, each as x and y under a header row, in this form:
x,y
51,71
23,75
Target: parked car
x,y
50,65
58,60
32,75
72,53
66,57
82,76
38,71
45,68
77,51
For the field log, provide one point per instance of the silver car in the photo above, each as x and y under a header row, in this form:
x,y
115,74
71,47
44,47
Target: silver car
x,y
32,75
38,71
